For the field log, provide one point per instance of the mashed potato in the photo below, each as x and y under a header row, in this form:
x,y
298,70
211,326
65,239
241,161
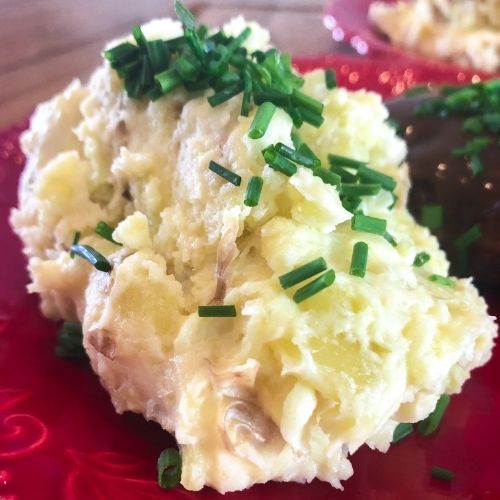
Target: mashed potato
x,y
466,32
283,391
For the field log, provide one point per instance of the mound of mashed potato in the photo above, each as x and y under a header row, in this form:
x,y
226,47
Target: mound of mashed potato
x,y
282,391
466,32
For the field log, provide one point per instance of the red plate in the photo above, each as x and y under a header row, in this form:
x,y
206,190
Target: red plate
x,y
61,439
348,21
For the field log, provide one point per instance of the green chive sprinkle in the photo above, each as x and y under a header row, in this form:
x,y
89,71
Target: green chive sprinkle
x,y
344,174
344,161
330,79
254,189
401,431
261,120
76,239
225,95
105,231
302,273
70,342
351,189
442,474
476,165
225,173
305,150
431,423
314,119
314,287
359,259
93,256
368,224
217,311
278,162
421,258
169,468
326,176
432,216
168,80
139,36
304,101
388,237
247,94
468,238
442,280
369,175
307,160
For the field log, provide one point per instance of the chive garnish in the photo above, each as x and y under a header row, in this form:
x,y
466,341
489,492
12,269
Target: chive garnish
x,y
225,94
217,311
431,423
254,189
401,431
168,80
278,162
169,468
302,158
302,273
247,94
330,79
70,341
314,287
185,15
432,216
306,102
390,238
359,259
344,161
226,174
308,116
344,174
261,120
368,224
468,238
442,280
442,474
76,239
421,258
106,231
327,177
351,189
93,256
369,175
305,150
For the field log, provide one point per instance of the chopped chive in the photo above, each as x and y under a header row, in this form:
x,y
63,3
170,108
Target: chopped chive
x,y
344,174
187,69
314,287
247,94
330,79
158,55
473,125
442,474
106,231
302,273
305,150
368,224
401,431
388,237
225,95
184,15
121,54
431,423
314,119
326,176
349,189
279,162
297,141
168,80
70,342
351,204
442,280
226,174
344,161
468,238
304,101
306,160
359,259
421,258
261,120
76,239
254,189
476,165
217,311
297,119
432,216
169,468
276,97
369,175
139,36
93,256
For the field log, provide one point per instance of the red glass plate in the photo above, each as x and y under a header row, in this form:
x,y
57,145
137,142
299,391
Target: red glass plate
x,y
61,439
348,22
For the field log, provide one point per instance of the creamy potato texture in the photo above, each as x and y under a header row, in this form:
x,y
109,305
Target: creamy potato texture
x,y
466,32
282,391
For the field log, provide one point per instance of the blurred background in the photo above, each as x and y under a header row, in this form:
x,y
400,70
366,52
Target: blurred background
x,y
46,43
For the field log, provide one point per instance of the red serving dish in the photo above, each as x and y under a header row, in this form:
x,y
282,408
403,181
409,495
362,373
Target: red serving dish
x,y
61,439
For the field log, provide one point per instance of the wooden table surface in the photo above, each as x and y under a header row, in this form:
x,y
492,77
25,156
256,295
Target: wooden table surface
x,y
44,44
